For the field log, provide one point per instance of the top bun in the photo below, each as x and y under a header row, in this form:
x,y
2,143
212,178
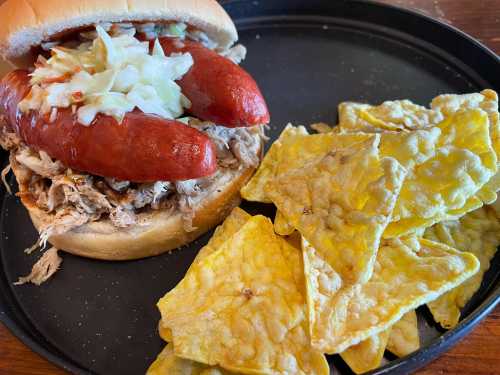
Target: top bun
x,y
27,23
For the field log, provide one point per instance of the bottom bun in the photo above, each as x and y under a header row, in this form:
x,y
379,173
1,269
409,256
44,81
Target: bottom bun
x,y
157,231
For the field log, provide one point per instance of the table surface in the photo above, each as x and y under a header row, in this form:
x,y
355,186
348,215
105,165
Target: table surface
x,y
479,352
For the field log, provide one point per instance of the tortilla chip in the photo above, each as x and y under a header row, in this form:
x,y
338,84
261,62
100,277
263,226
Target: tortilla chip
x,y
342,203
294,149
368,354
397,115
478,232
404,338
342,315
242,308
168,364
447,165
225,231
281,225
254,189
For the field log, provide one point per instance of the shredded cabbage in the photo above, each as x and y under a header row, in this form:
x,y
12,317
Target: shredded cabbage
x,y
111,75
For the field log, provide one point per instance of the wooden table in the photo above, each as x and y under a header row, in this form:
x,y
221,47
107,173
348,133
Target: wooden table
x,y
478,353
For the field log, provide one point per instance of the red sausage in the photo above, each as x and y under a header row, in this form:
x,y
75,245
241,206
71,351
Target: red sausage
x,y
142,148
219,90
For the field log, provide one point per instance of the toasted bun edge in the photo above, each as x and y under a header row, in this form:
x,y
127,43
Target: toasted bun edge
x,y
26,23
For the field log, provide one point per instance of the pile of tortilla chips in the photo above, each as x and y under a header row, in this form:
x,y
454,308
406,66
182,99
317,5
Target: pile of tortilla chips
x,y
392,209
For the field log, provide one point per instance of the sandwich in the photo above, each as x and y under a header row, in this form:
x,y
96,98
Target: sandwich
x,y
131,126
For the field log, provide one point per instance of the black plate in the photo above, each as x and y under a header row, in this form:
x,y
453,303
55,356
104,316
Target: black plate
x,y
100,317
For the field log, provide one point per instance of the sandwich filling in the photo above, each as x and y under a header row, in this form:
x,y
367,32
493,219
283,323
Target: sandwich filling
x,y
74,198
112,74
109,71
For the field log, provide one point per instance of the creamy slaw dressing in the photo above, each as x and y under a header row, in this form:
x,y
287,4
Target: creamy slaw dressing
x,y
112,75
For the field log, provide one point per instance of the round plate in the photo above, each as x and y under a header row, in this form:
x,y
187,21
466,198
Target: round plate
x,y
307,57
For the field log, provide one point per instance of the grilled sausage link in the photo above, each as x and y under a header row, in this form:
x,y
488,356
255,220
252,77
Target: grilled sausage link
x,y
142,148
219,90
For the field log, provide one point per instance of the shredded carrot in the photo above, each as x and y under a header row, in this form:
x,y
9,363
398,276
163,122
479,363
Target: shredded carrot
x,y
77,96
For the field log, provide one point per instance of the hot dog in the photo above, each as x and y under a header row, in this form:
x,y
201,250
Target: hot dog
x,y
141,148
219,90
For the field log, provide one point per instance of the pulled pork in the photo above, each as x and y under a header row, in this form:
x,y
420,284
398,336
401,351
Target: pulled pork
x,y
42,270
75,198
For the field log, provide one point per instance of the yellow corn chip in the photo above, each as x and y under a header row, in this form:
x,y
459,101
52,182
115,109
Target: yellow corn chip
x,y
368,354
294,149
487,100
225,231
241,307
404,338
321,127
445,171
168,364
404,278
477,232
397,115
254,189
401,339
281,225
342,203
164,332
403,116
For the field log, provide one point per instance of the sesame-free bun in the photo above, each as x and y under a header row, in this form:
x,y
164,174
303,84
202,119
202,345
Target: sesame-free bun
x,y
26,23
157,231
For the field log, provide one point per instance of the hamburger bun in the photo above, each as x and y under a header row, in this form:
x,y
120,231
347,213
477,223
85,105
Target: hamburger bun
x,y
27,23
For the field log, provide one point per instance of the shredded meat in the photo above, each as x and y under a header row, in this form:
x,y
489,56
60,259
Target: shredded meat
x,y
78,190
122,217
62,222
5,172
40,163
150,194
186,207
42,270
243,154
234,146
188,188
117,185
